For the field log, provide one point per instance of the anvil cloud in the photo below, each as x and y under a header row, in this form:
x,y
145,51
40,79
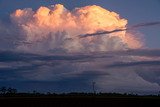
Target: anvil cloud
x,y
56,28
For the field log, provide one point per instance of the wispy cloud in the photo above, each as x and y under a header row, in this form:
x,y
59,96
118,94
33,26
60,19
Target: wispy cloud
x,y
121,29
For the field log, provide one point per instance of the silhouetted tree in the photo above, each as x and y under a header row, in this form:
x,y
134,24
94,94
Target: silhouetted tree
x,y
48,93
34,92
11,90
3,90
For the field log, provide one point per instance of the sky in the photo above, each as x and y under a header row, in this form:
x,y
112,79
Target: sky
x,y
40,48
135,11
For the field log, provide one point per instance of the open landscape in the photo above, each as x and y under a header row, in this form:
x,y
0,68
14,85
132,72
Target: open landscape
x,y
83,53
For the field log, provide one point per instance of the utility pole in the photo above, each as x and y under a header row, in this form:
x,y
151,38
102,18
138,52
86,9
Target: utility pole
x,y
93,86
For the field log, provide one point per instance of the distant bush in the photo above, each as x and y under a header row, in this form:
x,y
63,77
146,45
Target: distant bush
x,y
9,90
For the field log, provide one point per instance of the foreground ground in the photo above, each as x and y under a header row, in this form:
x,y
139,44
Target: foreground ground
x,y
77,100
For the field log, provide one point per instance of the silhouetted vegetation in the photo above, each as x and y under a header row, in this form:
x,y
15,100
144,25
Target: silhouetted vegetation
x,y
11,97
8,91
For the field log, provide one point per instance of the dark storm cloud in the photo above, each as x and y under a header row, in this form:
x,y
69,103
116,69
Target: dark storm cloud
x,y
139,63
141,52
69,70
9,56
94,73
72,85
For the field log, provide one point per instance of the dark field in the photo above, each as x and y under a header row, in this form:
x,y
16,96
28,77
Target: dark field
x,y
77,100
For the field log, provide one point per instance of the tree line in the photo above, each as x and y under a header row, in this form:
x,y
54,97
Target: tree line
x,y
9,90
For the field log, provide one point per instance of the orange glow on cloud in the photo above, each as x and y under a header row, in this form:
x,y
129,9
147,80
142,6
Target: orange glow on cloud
x,y
58,24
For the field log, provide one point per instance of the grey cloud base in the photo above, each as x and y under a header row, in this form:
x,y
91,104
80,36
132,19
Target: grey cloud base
x,y
131,71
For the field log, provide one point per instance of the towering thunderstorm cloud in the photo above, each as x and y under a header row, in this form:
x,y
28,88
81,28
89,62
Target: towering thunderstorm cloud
x,y
56,29
62,50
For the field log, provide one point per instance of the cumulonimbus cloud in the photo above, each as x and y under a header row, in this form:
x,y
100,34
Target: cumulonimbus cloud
x,y
55,28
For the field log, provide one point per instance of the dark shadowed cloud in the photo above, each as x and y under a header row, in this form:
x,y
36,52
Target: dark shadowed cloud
x,y
139,63
117,71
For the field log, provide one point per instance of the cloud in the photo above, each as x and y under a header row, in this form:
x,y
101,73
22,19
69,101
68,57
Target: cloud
x,y
135,72
45,49
142,52
126,80
9,36
122,29
56,29
139,63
